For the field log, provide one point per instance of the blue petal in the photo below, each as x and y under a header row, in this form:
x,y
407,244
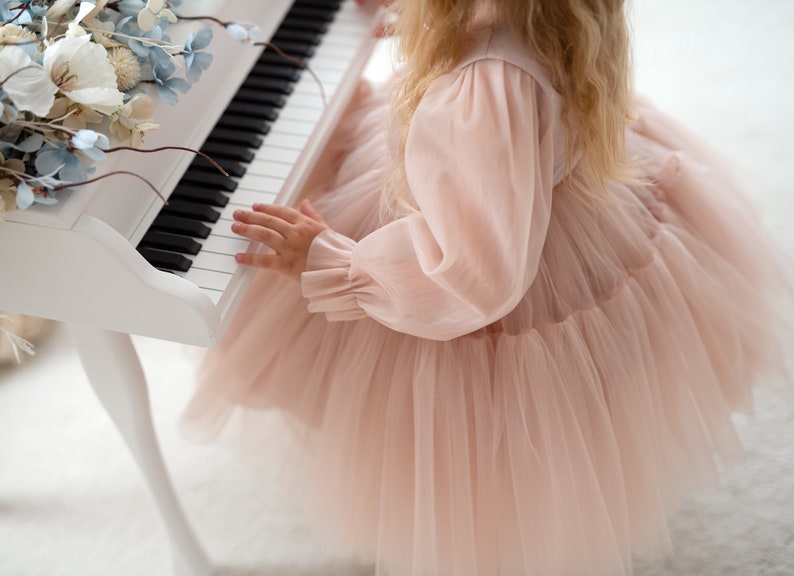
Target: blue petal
x,y
73,171
25,196
200,63
32,143
200,39
50,160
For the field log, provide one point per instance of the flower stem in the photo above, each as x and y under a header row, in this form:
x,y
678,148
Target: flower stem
x,y
114,173
161,148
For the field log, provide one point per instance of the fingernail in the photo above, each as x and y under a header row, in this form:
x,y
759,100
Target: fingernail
x,y
238,213
236,227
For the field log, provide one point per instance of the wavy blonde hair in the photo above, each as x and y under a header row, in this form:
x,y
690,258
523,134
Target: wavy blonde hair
x,y
583,43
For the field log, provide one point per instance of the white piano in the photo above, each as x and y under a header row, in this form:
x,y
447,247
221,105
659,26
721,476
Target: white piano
x,y
78,261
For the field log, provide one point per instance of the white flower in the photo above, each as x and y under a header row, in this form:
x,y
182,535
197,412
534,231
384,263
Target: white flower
x,y
26,82
12,34
127,67
82,71
133,120
152,12
8,186
245,32
60,8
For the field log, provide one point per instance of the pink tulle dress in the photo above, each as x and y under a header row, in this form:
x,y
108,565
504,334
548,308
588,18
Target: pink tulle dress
x,y
514,380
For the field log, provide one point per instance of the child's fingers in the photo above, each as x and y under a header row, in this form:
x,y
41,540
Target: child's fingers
x,y
262,234
284,212
261,219
264,261
309,210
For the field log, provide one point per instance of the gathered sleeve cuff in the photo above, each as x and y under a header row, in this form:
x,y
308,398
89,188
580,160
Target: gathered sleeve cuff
x,y
327,283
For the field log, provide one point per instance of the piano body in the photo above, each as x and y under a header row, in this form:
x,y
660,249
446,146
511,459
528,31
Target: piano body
x,y
81,260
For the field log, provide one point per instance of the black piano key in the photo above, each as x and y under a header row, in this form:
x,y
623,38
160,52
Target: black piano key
x,y
198,194
165,260
183,226
253,110
274,85
191,210
303,36
275,59
218,150
291,74
243,123
235,137
260,97
300,49
231,167
170,242
330,5
211,180
327,5
292,23
263,93
311,13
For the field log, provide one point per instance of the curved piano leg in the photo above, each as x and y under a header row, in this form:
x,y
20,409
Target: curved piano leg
x,y
115,372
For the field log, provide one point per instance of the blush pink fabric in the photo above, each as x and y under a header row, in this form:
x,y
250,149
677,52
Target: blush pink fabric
x,y
513,381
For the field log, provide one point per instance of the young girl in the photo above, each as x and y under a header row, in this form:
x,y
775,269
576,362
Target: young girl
x,y
517,316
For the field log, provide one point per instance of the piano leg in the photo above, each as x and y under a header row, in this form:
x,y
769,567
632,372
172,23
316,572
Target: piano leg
x,y
115,373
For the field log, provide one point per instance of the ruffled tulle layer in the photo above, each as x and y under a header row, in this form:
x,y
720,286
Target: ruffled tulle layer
x,y
554,442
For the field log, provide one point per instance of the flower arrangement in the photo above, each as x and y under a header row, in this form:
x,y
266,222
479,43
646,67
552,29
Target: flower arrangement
x,y
76,76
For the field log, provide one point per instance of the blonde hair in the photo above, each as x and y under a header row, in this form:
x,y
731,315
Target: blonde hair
x,y
583,43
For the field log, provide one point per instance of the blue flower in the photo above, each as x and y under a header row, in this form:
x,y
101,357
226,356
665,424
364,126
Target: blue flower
x,y
56,159
29,145
196,62
144,45
130,7
168,87
25,196
20,17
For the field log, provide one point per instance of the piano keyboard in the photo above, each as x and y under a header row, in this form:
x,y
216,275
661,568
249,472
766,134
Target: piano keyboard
x,y
257,140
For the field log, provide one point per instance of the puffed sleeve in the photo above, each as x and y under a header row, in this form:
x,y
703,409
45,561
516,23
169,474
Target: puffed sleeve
x,y
479,166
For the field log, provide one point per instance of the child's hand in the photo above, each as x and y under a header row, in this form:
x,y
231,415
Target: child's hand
x,y
288,232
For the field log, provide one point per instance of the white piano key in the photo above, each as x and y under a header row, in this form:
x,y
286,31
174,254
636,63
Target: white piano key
x,y
224,241
305,100
260,184
306,113
330,80
214,295
275,154
227,214
247,197
205,260
295,127
265,167
289,141
209,279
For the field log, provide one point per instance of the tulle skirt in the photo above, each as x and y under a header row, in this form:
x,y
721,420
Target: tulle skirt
x,y
554,442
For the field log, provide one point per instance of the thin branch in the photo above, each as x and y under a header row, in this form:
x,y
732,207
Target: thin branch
x,y
161,148
21,10
114,173
298,62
